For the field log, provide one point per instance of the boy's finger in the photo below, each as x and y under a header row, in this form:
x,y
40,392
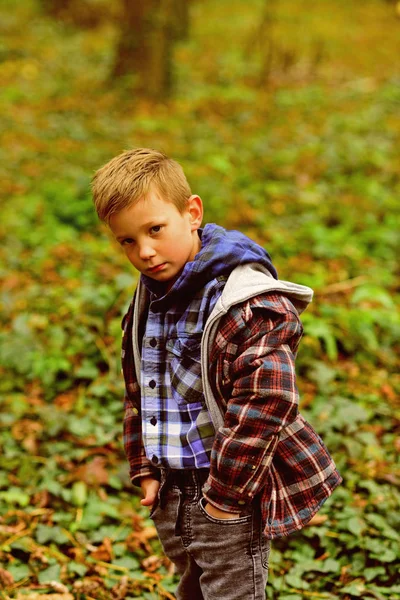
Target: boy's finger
x,y
148,501
145,502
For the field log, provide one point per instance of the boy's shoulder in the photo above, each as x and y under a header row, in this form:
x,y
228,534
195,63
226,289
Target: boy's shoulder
x,y
260,314
253,279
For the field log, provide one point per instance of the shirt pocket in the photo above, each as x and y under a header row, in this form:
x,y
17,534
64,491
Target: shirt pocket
x,y
184,367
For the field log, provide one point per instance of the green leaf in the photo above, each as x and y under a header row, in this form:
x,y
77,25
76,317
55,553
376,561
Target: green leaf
x,y
356,526
50,574
381,550
47,533
297,582
355,589
372,294
79,569
80,426
382,525
330,565
19,571
323,331
129,562
15,496
79,493
372,572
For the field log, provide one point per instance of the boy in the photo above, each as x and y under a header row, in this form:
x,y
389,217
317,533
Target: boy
x,y
211,429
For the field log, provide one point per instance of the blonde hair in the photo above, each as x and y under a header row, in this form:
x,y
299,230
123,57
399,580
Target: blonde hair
x,y
130,176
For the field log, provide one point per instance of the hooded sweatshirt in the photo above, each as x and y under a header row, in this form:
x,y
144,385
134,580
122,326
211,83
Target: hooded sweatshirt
x,y
177,429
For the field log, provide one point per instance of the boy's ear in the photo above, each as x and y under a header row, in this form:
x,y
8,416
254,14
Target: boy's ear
x,y
195,211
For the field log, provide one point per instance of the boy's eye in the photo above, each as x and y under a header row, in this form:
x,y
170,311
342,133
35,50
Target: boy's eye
x,y
126,241
156,229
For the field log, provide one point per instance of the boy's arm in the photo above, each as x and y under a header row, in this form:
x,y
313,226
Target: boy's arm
x,y
263,398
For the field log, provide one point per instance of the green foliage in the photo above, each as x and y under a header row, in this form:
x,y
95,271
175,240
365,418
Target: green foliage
x,y
304,160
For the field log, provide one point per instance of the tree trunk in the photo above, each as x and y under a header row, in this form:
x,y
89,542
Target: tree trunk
x,y
75,12
182,21
57,9
148,35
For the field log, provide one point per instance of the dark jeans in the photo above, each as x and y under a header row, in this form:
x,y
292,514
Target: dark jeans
x,y
217,559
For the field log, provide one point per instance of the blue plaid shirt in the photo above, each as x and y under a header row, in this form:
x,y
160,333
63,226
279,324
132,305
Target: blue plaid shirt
x,y
177,430
176,427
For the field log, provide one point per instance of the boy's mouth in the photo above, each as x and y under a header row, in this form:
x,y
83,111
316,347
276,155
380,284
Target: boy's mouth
x,y
156,268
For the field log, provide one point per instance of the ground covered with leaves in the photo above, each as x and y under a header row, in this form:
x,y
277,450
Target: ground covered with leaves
x,y
306,162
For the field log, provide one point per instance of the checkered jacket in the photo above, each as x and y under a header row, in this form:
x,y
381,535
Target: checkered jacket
x,y
263,446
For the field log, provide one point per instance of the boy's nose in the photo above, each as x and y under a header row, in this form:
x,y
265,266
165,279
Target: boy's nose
x,y
146,252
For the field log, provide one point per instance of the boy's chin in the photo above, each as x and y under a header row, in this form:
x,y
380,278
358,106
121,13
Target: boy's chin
x,y
165,278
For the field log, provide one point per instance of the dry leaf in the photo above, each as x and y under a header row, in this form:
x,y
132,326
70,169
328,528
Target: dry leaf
x,y
103,552
138,539
5,578
93,472
39,596
152,563
317,520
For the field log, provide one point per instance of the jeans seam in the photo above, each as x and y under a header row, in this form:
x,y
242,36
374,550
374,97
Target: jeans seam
x,y
253,557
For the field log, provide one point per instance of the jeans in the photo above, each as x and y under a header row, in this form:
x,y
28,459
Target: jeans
x,y
216,559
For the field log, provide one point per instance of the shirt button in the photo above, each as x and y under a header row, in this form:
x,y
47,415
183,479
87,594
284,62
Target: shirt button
x,y
152,384
153,342
153,421
241,502
154,459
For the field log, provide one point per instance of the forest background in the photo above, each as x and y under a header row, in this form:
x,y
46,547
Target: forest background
x,y
285,116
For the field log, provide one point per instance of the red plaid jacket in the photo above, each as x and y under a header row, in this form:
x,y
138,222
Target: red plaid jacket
x,y
264,447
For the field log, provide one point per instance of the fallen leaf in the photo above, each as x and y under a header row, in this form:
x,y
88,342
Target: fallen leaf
x,y
121,588
138,539
5,578
152,563
93,472
39,596
103,552
317,520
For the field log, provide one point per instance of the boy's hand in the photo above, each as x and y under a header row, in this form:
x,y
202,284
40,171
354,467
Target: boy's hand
x,y
150,487
215,512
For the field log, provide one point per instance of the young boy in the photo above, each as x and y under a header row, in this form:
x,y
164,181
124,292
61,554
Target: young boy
x,y
212,430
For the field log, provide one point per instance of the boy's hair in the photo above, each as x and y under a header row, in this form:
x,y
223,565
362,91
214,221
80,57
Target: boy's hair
x,y
131,175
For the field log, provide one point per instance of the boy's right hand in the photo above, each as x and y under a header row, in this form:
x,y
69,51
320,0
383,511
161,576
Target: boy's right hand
x,y
150,487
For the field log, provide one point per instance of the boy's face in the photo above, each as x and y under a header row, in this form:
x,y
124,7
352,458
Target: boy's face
x,y
158,240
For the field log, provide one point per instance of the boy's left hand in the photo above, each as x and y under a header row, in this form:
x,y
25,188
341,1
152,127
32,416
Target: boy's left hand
x,y
217,513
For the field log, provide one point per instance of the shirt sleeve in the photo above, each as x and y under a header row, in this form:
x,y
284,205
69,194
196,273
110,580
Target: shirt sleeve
x,y
258,376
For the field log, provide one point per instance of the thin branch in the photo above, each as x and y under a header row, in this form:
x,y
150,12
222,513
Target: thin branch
x,y
343,286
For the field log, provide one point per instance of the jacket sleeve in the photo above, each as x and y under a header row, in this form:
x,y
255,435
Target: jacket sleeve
x,y
256,372
139,464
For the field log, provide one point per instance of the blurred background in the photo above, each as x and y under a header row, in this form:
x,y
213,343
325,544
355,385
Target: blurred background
x,y
285,117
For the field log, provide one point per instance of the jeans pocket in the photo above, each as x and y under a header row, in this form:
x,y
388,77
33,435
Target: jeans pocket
x,y
265,550
154,508
240,519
